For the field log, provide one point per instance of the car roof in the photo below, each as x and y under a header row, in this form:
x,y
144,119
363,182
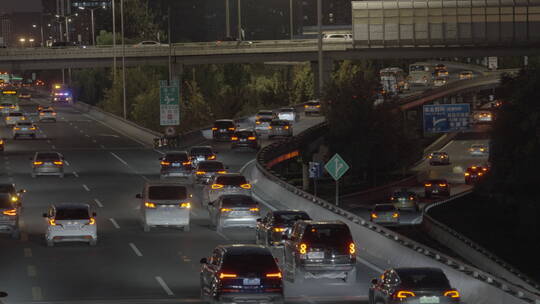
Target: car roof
x,y
224,196
71,206
23,123
437,180
245,130
230,174
288,211
224,120
287,108
383,205
175,152
164,183
439,152
413,270
237,249
199,147
48,153
205,162
266,111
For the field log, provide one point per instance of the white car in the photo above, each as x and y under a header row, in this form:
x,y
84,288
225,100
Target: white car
x,y
288,114
229,183
14,117
47,115
24,128
149,43
478,150
439,82
8,107
482,116
337,37
262,125
70,222
265,114
165,204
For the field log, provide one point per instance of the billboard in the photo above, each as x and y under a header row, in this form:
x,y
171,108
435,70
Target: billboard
x,y
444,118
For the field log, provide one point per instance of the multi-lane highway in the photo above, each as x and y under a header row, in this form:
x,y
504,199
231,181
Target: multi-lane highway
x,y
106,169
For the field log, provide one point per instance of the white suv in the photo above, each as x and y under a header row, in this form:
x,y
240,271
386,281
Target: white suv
x,y
70,222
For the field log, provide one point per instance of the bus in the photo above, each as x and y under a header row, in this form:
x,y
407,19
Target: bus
x,y
393,81
421,73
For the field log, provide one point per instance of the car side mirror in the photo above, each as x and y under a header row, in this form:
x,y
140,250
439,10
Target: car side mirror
x,y
45,215
3,294
375,281
203,261
94,214
138,195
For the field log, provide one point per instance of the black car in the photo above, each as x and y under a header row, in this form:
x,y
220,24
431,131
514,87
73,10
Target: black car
x,y
241,274
201,153
205,170
474,174
275,224
320,248
9,216
223,129
412,285
245,139
436,187
12,193
175,164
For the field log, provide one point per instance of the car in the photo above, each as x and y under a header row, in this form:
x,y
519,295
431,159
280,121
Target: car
x,y
165,203
47,115
207,169
482,117
312,107
320,248
265,114
473,174
9,216
25,95
412,285
42,107
438,158
436,187
24,129
280,128
228,183
149,43
241,273
10,191
337,37
443,73
466,75
440,66
439,82
201,153
385,214
47,163
8,107
234,210
288,114
271,229
175,164
245,138
223,129
13,118
70,222
404,199
479,150
262,125
2,144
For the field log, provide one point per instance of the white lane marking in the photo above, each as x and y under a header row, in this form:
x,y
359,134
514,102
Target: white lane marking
x,y
145,178
168,291
87,135
246,164
369,264
85,187
67,163
10,179
24,236
94,141
115,224
36,294
75,173
48,141
31,270
53,147
102,146
98,203
222,235
160,152
135,249
27,252
263,201
120,159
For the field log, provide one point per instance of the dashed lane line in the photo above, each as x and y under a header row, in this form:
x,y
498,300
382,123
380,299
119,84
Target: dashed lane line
x,y
100,205
161,282
135,249
119,158
102,146
66,162
36,294
76,174
31,271
27,252
24,236
85,187
115,224
53,147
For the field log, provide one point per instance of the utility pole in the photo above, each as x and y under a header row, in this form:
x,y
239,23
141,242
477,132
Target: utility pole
x,y
114,40
291,17
123,58
320,47
227,19
239,22
169,36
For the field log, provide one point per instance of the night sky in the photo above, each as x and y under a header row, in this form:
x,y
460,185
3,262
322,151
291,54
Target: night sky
x,y
20,6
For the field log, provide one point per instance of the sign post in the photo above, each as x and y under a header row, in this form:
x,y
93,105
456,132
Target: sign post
x,y
336,167
445,118
315,172
169,105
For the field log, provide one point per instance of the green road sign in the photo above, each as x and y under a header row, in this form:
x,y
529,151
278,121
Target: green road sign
x,y
169,104
336,167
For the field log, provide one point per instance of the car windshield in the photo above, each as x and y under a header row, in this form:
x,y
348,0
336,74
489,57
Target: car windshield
x,y
248,263
167,192
321,235
265,113
238,202
176,157
224,124
24,124
244,134
48,156
279,123
384,208
313,103
423,280
210,166
288,218
200,151
6,104
79,213
15,114
231,180
417,68
286,110
265,119
5,202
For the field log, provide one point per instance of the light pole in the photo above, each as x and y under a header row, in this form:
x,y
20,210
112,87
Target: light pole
x,y
227,20
291,17
123,58
22,41
239,21
320,47
41,32
67,19
114,40
92,21
31,42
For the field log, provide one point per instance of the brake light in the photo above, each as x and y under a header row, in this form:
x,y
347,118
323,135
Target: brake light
x,y
395,215
286,127
279,229
352,248
200,172
211,157
427,185
217,186
274,275
234,138
258,122
165,163
403,294
467,174
37,163
92,221
52,222
14,198
374,215
41,114
305,106
12,107
480,173
254,209
186,163
10,212
318,106
442,185
8,118
1,142
227,275
252,138
411,197
222,172
24,118
245,186
214,129
430,157
451,293
303,248
232,129
33,128
59,163
270,127
149,205
226,210
185,205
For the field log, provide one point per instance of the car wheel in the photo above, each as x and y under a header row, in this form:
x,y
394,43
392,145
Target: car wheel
x,y
187,228
50,243
351,277
146,228
93,242
16,234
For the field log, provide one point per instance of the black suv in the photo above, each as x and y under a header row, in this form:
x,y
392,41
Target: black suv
x,y
436,187
473,174
201,153
9,216
223,129
275,224
245,139
175,164
320,248
241,274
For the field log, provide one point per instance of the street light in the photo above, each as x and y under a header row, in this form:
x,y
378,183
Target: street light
x,y
92,20
67,19
22,41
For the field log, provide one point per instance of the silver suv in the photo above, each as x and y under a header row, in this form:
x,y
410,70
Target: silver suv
x,y
47,163
320,250
9,216
175,164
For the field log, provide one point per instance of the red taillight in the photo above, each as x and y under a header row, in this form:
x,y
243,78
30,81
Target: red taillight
x,y
200,172
443,185
427,185
352,248
234,138
246,186
92,221
11,212
232,129
217,186
403,294
395,215
58,163
214,129
211,157
222,172
451,294
252,138
374,215
276,275
37,163
225,209
411,197
223,275
303,248
254,209
165,163
186,163
52,222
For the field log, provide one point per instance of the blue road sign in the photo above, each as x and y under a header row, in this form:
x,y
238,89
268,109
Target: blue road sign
x,y
315,170
444,118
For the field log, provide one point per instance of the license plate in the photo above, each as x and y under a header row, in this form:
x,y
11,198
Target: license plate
x,y
436,191
242,139
201,158
175,165
316,255
428,300
24,129
222,131
252,281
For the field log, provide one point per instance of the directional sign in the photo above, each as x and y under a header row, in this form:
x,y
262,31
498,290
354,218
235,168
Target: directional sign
x,y
315,170
445,118
336,167
169,106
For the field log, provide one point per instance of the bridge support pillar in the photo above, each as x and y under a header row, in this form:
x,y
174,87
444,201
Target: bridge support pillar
x,y
328,66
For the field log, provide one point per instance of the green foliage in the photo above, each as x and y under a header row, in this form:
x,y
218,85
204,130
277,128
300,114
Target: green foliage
x,y
89,84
